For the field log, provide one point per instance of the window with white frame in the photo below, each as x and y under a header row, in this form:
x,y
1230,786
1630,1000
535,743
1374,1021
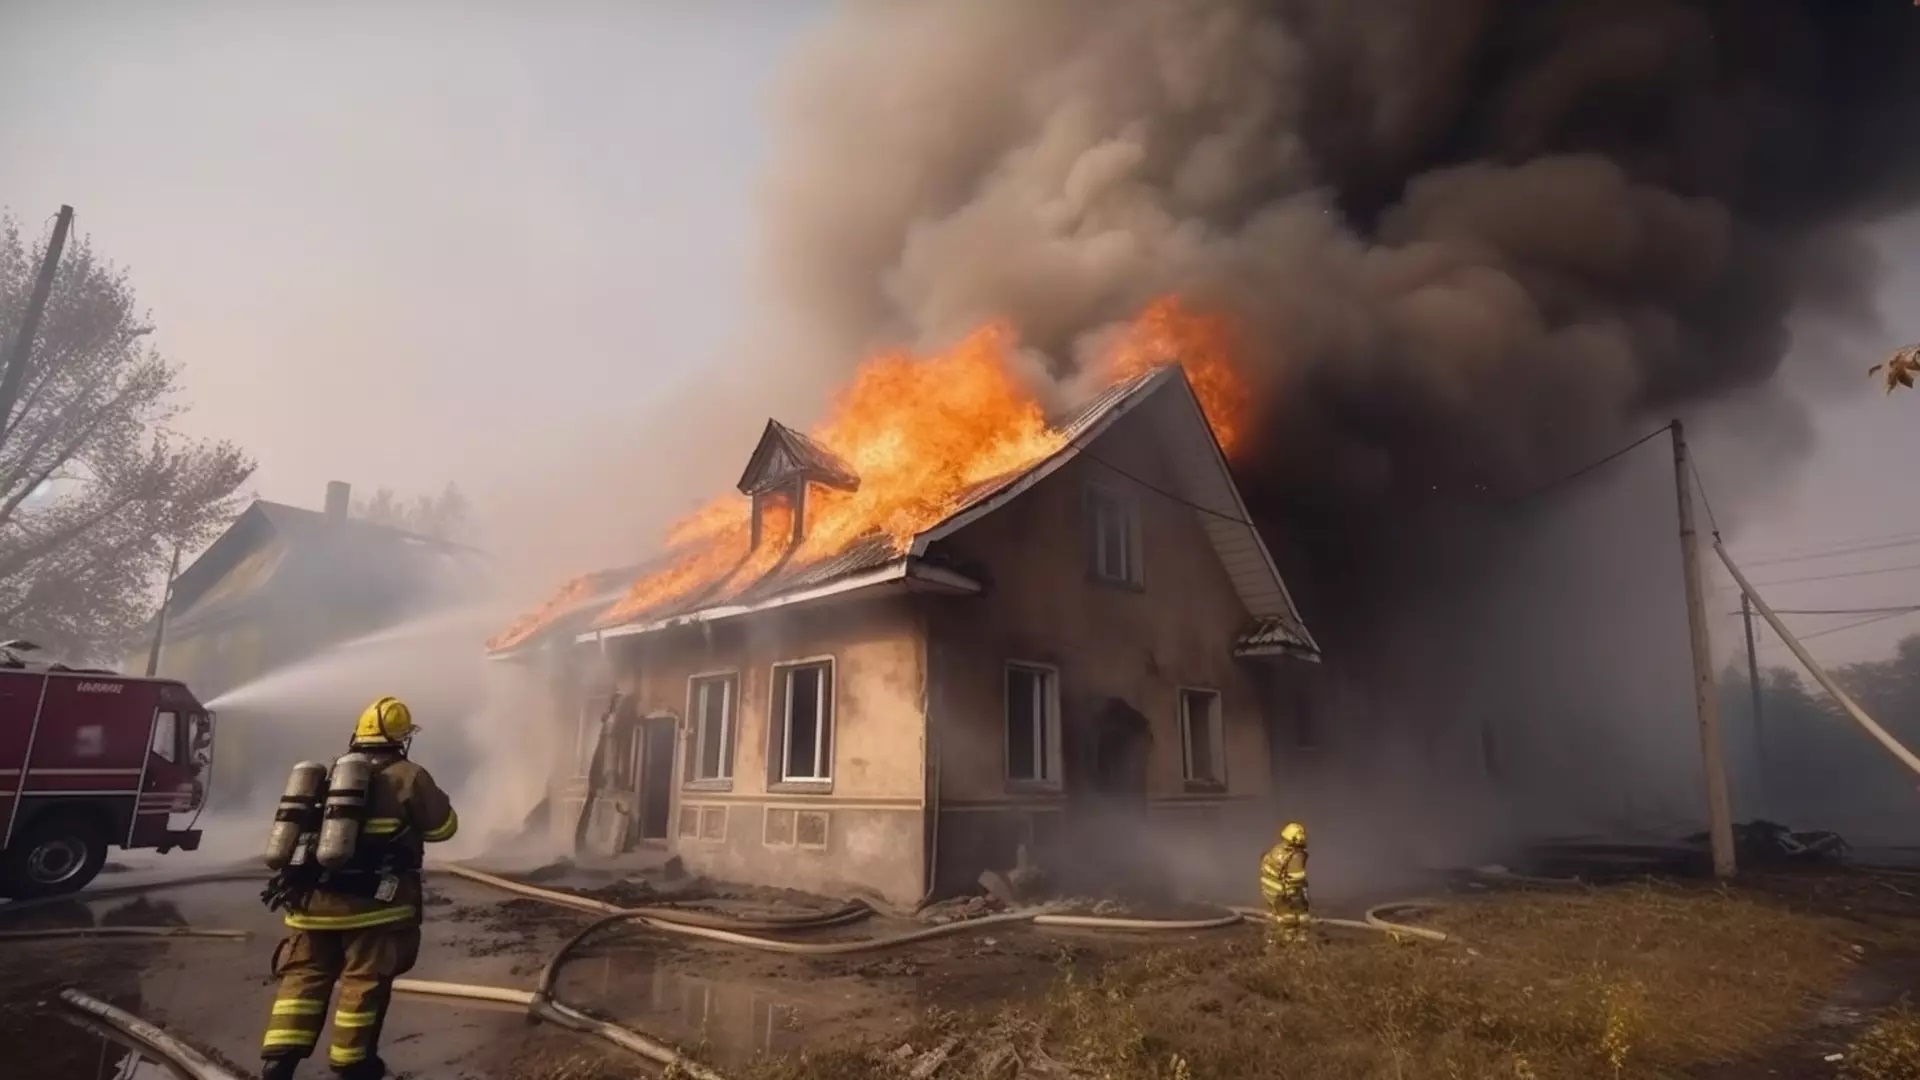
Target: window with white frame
x,y
1033,724
711,704
803,706
1203,737
1113,544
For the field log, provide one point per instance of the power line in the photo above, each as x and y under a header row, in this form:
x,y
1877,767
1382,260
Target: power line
x,y
1856,624
1589,467
1824,547
1842,574
1858,549
1712,522
1897,610
1163,492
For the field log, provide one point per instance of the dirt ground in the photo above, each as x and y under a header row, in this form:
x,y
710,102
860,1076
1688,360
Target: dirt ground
x,y
1774,977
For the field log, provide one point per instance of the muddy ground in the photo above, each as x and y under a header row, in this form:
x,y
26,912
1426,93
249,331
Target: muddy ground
x,y
1843,950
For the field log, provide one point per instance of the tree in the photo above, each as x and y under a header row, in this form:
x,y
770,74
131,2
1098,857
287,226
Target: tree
x,y
95,491
442,516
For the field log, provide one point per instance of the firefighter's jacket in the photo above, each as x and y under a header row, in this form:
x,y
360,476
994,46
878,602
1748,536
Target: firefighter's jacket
x,y
1283,875
405,811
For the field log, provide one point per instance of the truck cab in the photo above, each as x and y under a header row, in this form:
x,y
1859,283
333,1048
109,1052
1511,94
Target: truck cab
x,y
92,760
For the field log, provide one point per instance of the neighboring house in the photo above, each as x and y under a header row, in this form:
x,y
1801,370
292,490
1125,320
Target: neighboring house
x,y
282,584
1083,656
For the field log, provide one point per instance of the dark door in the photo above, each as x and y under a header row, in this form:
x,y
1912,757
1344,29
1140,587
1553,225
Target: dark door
x,y
656,784
1108,808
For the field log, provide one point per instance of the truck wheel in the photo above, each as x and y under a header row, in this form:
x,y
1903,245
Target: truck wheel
x,y
53,857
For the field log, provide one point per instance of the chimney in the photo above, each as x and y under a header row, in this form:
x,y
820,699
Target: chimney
x,y
338,497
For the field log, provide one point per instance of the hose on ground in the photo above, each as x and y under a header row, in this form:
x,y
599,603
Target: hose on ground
x,y
121,931
1371,921
566,1016
15,907
149,1038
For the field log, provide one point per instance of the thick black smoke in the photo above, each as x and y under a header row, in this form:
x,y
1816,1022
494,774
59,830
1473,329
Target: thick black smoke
x,y
1474,239
1473,242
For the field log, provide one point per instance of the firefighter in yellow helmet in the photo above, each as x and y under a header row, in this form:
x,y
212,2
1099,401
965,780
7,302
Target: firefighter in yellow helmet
x,y
355,920
1283,883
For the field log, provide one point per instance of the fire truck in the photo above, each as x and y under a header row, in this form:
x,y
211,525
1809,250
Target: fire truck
x,y
91,760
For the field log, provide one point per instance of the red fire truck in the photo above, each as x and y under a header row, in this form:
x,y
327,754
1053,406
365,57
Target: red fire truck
x,y
91,760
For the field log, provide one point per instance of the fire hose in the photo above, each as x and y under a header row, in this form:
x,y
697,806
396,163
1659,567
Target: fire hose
x,y
148,1038
541,1004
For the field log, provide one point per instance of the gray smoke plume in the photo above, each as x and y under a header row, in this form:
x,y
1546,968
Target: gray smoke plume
x,y
1473,243
1473,240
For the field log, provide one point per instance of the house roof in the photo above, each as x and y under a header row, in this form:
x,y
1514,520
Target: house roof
x,y
272,550
1202,475
783,455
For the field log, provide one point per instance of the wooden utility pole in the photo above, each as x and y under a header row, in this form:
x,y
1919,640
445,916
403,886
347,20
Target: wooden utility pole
x,y
1719,808
160,623
1753,685
15,371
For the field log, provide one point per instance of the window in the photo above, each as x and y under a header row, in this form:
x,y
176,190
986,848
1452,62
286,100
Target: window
x,y
1202,738
1114,546
711,700
1033,724
803,696
166,736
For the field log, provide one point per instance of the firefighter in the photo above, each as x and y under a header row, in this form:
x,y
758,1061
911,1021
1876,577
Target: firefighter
x,y
355,920
1283,883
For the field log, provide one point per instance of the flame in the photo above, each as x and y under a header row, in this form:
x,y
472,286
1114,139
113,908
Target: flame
x,y
1206,345
573,593
925,434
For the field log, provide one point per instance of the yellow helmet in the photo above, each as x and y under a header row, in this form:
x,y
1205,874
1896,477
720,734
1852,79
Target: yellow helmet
x,y
1294,834
387,722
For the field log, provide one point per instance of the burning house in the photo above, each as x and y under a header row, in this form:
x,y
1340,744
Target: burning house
x,y
939,629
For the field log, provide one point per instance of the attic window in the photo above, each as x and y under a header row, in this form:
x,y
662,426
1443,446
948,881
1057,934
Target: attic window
x,y
1113,540
783,463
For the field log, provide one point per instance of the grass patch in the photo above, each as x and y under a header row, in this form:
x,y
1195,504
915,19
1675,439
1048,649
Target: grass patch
x,y
1633,981
1889,1050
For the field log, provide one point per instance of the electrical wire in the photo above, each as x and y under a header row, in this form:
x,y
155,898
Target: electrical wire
x,y
1856,624
1841,574
1860,548
1587,468
1810,550
1901,609
1163,492
1701,486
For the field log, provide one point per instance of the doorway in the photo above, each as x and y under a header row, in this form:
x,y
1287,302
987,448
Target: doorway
x,y
656,776
1108,810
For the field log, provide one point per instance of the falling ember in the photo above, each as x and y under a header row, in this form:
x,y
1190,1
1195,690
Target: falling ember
x,y
925,434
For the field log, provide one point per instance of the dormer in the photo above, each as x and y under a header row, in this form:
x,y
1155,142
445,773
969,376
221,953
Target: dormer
x,y
784,462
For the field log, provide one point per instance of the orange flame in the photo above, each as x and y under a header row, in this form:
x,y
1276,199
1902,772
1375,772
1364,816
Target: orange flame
x,y
1206,345
923,434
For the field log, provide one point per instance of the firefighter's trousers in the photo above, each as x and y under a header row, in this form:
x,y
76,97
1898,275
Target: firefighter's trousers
x,y
364,962
1290,914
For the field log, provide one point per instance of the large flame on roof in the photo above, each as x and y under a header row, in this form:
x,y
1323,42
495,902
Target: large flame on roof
x,y
923,433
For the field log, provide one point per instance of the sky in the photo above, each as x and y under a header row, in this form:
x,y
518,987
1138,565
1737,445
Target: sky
x,y
401,248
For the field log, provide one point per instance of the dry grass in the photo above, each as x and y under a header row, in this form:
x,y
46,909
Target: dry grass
x,y
1889,1050
1637,981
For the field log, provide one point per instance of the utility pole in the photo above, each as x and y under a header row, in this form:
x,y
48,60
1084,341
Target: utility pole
x,y
160,623
1753,684
15,372
1719,808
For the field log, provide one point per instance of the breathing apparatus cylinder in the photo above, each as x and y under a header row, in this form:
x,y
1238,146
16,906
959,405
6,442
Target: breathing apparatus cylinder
x,y
298,816
345,811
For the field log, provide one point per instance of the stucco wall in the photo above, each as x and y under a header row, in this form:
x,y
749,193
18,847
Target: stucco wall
x,y
1141,645
874,826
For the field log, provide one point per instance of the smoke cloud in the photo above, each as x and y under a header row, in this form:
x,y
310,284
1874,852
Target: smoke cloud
x,y
1472,240
1471,244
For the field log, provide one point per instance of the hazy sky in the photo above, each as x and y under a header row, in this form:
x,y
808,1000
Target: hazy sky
x,y
408,247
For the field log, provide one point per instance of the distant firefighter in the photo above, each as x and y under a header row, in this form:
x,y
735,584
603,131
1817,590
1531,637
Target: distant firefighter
x,y
1283,883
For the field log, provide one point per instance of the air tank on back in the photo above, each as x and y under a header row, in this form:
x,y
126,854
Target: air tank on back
x,y
346,809
298,814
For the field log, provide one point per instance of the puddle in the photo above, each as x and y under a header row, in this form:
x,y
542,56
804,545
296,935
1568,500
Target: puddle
x,y
116,1059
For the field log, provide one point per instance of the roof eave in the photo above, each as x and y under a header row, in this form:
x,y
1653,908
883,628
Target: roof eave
x,y
908,572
